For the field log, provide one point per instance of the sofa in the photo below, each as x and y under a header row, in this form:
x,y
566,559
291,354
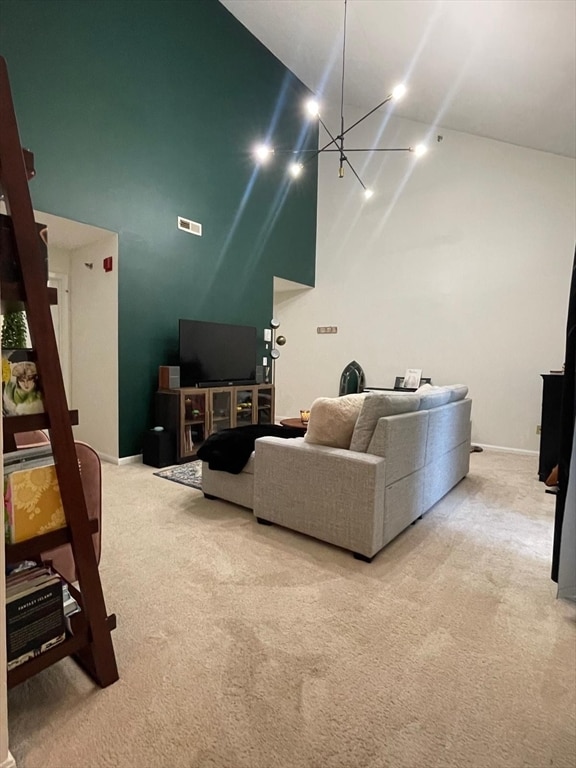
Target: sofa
x,y
369,466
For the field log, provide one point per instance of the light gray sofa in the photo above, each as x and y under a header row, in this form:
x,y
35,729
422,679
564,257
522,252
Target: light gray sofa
x,y
406,452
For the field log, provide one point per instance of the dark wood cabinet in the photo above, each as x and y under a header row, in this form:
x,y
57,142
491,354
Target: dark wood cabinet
x,y
550,423
191,414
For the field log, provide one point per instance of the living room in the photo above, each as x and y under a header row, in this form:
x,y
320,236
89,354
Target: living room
x,y
458,265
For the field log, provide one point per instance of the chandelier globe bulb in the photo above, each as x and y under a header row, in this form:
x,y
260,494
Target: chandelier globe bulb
x,y
263,152
312,108
295,169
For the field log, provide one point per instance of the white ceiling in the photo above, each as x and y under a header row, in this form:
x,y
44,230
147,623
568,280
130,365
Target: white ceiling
x,y
503,69
68,234
65,233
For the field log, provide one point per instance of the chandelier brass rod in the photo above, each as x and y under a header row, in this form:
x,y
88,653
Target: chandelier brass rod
x,y
334,139
345,159
370,149
355,149
343,71
386,100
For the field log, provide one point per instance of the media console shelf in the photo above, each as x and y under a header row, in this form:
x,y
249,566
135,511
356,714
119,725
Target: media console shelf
x,y
192,413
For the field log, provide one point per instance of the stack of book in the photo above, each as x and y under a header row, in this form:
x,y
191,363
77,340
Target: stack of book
x,y
38,610
32,501
35,619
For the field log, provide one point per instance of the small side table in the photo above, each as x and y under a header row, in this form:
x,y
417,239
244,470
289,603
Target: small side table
x,y
295,424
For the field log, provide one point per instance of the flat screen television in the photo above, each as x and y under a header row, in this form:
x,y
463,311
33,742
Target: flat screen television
x,y
216,353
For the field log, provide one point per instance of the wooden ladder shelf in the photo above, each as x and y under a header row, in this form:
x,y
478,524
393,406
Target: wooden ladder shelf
x,y
90,642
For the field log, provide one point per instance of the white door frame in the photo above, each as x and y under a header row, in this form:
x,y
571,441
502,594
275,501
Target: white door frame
x,y
60,280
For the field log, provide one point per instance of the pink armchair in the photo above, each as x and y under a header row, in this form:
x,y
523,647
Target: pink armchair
x,y
91,474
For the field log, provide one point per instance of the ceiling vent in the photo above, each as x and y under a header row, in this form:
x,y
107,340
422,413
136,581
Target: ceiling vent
x,y
192,227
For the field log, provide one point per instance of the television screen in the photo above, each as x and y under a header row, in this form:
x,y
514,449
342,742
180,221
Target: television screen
x,y
216,353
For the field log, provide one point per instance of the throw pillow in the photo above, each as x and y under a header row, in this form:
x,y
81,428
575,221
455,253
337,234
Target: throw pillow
x,y
376,406
332,420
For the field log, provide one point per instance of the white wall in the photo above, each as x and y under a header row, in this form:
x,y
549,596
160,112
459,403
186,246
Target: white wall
x,y
59,274
58,258
94,345
460,268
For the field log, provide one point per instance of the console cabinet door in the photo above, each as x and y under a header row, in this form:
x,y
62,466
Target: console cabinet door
x,y
550,424
244,398
194,421
220,409
265,405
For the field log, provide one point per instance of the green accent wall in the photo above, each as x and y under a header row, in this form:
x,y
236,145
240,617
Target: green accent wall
x,y
138,111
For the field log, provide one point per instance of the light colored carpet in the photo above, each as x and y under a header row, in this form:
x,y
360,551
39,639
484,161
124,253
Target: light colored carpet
x,y
243,646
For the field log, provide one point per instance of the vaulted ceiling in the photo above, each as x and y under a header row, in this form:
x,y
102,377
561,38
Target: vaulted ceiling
x,y
503,69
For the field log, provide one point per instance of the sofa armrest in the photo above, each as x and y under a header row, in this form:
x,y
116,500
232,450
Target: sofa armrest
x,y
401,439
333,494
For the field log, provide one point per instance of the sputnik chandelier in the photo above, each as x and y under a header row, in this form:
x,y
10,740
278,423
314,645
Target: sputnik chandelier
x,y
263,152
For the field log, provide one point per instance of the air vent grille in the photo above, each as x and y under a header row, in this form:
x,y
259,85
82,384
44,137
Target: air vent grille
x,y
192,227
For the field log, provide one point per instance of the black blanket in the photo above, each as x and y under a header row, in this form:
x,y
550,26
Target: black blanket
x,y
230,449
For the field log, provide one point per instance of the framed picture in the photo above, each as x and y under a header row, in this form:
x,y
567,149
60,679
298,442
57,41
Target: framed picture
x,y
21,394
412,378
400,382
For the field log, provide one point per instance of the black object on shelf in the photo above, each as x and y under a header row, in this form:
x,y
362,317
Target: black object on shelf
x,y
352,379
399,383
158,448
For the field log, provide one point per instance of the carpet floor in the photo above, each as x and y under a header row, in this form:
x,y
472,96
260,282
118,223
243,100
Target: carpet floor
x,y
244,646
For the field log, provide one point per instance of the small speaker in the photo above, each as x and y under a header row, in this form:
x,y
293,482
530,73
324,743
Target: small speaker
x,y
169,377
260,374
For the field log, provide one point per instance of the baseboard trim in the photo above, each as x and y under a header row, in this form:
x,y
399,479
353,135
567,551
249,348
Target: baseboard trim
x,y
504,449
9,762
110,459
131,459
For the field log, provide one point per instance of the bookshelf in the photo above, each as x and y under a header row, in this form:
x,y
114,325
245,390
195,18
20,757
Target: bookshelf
x,y
90,641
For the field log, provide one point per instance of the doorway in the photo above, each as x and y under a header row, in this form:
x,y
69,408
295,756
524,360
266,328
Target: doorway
x,y
86,326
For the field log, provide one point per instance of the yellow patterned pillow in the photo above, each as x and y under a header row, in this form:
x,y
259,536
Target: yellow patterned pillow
x,y
32,503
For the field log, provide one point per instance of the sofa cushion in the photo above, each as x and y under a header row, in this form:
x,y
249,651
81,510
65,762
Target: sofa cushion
x,y
332,420
433,397
376,406
457,392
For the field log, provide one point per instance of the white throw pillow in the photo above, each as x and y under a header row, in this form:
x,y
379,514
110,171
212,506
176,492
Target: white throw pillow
x,y
332,420
376,406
